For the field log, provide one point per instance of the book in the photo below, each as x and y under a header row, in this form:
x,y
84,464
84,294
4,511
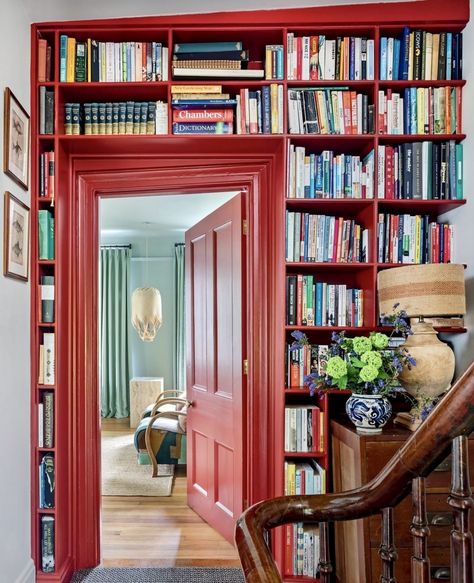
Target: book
x,y
40,424
47,298
223,73
49,363
214,89
45,235
43,74
226,115
48,418
46,481
47,542
207,47
212,55
202,128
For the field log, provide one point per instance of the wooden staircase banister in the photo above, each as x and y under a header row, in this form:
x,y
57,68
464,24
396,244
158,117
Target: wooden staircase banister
x,y
419,455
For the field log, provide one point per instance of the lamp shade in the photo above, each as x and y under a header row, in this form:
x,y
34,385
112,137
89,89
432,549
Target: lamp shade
x,y
434,289
146,312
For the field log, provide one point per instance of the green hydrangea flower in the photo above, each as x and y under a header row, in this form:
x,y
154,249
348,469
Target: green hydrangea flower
x,y
379,340
361,344
368,373
336,367
373,358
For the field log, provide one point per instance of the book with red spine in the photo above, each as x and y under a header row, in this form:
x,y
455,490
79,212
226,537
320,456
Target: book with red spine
x,y
389,182
313,57
315,428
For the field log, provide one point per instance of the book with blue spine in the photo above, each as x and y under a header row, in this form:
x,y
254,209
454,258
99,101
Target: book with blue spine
x,y
62,57
383,58
203,128
396,59
202,103
312,160
404,54
459,171
46,482
449,55
207,47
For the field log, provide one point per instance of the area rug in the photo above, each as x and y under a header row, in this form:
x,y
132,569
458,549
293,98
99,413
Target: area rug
x,y
121,474
161,575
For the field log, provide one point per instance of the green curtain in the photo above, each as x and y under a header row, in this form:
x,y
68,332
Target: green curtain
x,y
113,341
180,348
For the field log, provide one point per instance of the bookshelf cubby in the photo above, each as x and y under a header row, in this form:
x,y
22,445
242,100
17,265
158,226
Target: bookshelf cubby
x,y
365,211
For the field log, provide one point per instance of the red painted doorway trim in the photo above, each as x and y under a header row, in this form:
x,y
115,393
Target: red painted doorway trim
x,y
169,169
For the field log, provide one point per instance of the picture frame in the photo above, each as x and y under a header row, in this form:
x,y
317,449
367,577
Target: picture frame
x,y
16,235
16,140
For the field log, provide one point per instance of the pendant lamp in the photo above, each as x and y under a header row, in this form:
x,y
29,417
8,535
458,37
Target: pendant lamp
x,y
146,307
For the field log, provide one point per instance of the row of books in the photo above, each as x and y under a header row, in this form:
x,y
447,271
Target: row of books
x,y
47,299
46,174
301,550
304,429
313,58
46,111
44,61
260,111
124,117
46,420
46,481
421,55
413,239
215,59
329,110
329,175
309,358
47,544
304,478
316,303
112,62
421,110
421,170
274,59
324,239
45,235
47,360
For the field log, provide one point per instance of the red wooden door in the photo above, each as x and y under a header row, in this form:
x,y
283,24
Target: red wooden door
x,y
215,264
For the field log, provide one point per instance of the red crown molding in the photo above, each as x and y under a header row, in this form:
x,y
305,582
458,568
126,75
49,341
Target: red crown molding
x,y
387,12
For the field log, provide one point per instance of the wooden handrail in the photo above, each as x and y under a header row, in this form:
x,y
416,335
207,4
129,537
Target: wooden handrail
x,y
419,455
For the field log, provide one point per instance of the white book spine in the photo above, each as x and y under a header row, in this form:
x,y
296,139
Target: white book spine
x,y
370,59
305,58
280,109
164,63
289,56
357,59
109,61
390,59
49,358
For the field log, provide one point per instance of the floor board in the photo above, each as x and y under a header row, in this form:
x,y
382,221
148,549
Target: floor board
x,y
158,532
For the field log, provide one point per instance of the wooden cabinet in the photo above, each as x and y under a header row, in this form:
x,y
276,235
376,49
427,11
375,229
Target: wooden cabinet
x,y
356,460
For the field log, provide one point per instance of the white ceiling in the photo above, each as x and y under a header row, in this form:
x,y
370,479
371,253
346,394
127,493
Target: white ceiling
x,y
47,10
157,216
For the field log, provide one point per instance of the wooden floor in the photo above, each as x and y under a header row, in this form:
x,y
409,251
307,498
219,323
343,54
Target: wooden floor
x,y
158,532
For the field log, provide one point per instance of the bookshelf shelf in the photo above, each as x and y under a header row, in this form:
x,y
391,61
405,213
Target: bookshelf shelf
x,y
362,22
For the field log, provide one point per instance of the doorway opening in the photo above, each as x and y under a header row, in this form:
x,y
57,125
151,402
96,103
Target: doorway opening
x,y
168,263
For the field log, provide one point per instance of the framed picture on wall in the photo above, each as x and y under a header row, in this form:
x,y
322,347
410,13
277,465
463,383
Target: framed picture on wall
x,y
16,234
16,140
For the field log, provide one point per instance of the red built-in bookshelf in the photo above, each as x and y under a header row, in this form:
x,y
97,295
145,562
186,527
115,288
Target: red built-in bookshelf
x,y
76,512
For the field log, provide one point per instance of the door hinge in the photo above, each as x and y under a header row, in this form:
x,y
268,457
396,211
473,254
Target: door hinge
x,y
246,366
245,227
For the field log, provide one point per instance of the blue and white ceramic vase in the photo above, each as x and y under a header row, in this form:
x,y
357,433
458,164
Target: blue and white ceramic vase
x,y
369,413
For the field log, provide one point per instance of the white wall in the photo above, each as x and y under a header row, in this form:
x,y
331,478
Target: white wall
x,y
463,217
15,552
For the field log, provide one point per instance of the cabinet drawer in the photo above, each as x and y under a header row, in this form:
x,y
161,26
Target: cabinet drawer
x,y
439,562
439,518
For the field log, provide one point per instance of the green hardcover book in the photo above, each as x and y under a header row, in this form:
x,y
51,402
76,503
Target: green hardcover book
x,y
47,298
143,116
95,118
136,117
122,120
129,118
44,219
68,118
459,171
88,118
115,117
101,119
108,118
76,119
81,61
51,237
151,117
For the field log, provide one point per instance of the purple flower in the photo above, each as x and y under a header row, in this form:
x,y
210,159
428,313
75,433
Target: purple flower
x,y
298,335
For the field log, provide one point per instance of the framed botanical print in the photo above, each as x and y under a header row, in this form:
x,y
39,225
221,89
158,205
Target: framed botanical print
x,y
16,234
16,140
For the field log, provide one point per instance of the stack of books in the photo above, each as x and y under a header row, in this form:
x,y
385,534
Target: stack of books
x,y
304,478
316,303
413,239
304,429
421,170
124,117
421,110
301,550
226,59
329,175
44,61
274,56
421,55
324,239
202,109
329,110
309,358
319,58
46,174
112,62
260,111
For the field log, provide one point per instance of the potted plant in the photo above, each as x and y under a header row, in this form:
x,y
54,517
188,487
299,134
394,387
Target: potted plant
x,y
368,366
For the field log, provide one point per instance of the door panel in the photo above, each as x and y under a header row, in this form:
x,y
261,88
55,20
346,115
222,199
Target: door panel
x,y
214,283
